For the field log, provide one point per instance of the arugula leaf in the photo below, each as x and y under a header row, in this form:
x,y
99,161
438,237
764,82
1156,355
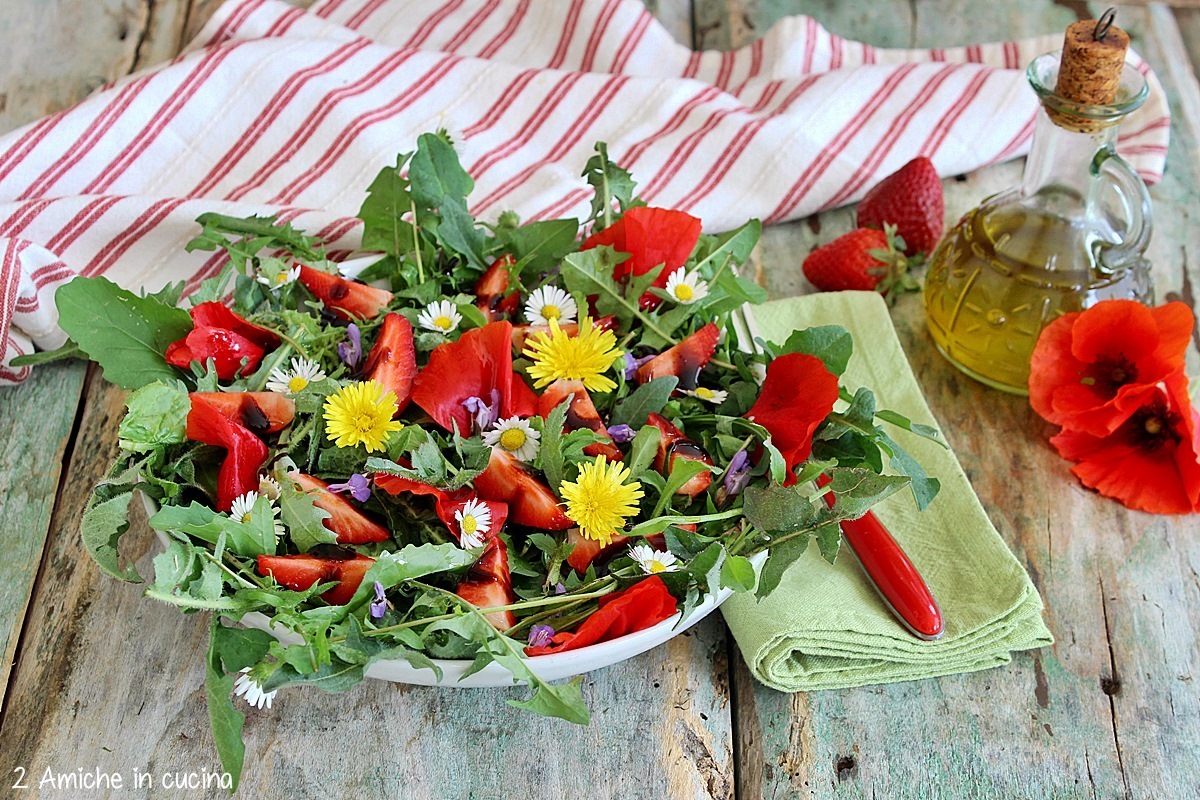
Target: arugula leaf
x,y
737,573
643,450
649,398
682,471
125,334
388,199
550,454
229,651
459,234
611,182
829,540
436,173
830,343
68,350
540,245
303,519
247,539
155,416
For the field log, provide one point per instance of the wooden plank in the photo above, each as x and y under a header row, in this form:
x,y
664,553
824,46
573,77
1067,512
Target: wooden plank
x,y
1107,711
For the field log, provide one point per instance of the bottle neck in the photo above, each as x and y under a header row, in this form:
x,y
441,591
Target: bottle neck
x,y
1060,159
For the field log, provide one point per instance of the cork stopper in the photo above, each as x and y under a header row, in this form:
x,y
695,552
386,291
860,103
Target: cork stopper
x,y
1090,70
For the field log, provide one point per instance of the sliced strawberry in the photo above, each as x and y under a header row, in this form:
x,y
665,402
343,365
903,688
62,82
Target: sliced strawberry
x,y
303,572
672,444
530,502
488,584
348,299
245,452
350,524
226,349
490,291
446,509
260,412
684,360
588,550
395,484
580,414
215,315
393,359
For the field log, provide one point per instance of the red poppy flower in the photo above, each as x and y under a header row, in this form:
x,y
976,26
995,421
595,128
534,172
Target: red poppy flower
x,y
480,361
1151,462
651,236
641,606
797,395
1092,368
224,337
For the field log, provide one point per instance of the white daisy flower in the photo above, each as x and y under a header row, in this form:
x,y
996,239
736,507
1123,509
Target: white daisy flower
x,y
277,279
653,561
244,504
440,316
474,520
252,690
550,302
686,287
268,487
714,396
516,436
296,379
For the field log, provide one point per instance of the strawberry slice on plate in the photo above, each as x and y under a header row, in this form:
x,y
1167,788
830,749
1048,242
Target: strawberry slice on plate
x,y
215,315
448,506
580,414
491,291
488,584
350,524
393,359
588,550
673,444
245,452
684,360
530,502
260,412
302,572
347,299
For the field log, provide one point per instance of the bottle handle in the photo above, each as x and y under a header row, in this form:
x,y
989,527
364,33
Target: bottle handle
x,y
1129,186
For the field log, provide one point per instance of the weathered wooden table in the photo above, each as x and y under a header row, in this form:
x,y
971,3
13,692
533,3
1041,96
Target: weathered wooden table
x,y
96,677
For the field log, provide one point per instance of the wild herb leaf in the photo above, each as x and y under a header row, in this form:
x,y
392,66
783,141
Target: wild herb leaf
x,y
155,416
388,199
830,343
649,398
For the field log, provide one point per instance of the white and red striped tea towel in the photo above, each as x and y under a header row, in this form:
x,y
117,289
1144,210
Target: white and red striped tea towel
x,y
283,111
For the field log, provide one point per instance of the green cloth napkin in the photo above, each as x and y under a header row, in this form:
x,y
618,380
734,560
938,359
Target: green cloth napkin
x,y
824,627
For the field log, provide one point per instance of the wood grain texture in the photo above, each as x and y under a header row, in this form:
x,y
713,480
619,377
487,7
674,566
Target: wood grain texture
x,y
1110,710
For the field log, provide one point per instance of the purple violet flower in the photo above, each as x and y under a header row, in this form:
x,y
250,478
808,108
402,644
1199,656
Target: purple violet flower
x,y
379,604
622,433
632,364
540,635
739,473
560,589
350,352
357,485
485,413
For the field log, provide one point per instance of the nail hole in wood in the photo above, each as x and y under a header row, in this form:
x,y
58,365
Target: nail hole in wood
x,y
847,768
1110,686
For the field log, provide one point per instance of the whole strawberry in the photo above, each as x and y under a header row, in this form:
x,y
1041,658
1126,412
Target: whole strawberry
x,y
911,199
863,259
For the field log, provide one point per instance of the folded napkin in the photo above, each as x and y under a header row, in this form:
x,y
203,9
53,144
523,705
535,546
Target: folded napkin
x,y
277,110
824,627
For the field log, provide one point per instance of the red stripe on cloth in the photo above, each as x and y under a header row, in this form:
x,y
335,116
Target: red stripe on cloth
x,y
532,123
363,13
593,44
233,22
630,43
756,58
28,141
953,114
478,18
430,24
321,110
7,374
560,207
868,55
326,11
28,213
810,44
271,111
10,280
1153,126
740,142
880,152
286,20
507,32
693,140
427,83
92,134
836,45
564,41
937,54
87,216
840,141
723,71
670,126
153,216
693,64
157,123
502,104
594,108
1012,58
974,54
42,278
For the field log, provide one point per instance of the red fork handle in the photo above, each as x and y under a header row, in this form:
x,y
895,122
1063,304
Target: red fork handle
x,y
889,568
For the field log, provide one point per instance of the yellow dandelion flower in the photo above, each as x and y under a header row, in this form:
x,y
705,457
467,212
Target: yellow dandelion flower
x,y
585,357
361,412
600,501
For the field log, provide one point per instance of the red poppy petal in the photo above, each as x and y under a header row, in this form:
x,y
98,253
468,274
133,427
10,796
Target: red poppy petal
x,y
641,606
659,236
480,361
797,395
1111,327
215,315
613,236
1175,322
1052,366
1137,479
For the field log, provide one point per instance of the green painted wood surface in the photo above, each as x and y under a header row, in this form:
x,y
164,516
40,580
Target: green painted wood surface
x,y
105,677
